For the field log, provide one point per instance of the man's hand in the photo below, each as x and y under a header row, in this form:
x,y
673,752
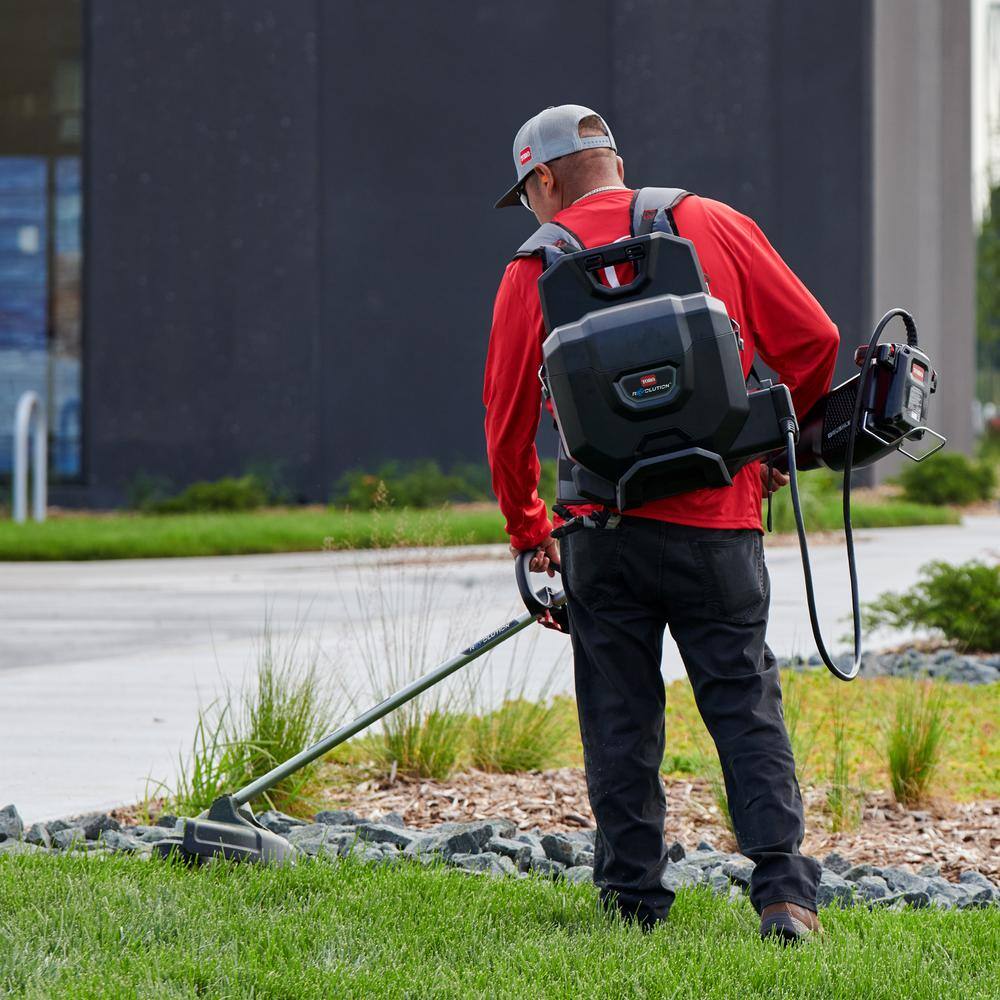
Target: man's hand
x,y
778,479
546,556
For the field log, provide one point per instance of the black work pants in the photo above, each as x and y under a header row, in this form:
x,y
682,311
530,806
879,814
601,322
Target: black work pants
x,y
711,588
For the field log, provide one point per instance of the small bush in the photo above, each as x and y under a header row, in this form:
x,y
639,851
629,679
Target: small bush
x,y
243,493
521,735
416,484
961,602
422,743
914,742
948,477
819,492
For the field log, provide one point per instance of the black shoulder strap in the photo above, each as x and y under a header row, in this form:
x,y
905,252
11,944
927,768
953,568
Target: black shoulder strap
x,y
550,241
652,210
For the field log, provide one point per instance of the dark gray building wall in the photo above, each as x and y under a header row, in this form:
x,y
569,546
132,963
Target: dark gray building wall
x,y
291,248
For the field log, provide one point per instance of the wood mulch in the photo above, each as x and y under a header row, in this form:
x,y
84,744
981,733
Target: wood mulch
x,y
956,836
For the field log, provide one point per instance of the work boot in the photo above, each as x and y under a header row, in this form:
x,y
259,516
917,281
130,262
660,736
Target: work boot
x,y
788,922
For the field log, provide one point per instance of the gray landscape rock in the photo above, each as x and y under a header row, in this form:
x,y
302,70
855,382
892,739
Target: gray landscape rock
x,y
900,880
55,825
13,847
314,831
279,823
872,887
11,824
719,883
447,844
709,859
979,881
385,833
72,836
738,872
579,874
149,834
676,852
488,862
559,848
584,859
945,665
945,894
856,872
118,842
837,863
545,866
95,824
168,820
480,829
338,817
679,877
929,870
518,852
38,834
917,898
392,819
834,889
706,845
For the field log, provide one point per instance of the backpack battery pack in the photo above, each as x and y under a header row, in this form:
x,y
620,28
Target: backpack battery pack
x,y
646,379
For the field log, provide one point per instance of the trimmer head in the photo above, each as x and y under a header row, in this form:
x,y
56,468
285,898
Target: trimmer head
x,y
227,830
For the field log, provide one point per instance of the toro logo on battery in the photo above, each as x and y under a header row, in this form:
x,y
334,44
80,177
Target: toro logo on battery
x,y
647,380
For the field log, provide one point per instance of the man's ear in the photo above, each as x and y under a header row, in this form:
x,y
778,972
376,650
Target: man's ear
x,y
621,168
546,178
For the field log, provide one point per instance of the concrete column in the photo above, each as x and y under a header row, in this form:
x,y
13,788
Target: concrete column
x,y
922,182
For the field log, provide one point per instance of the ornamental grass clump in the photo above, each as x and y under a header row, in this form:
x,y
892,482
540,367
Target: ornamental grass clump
x,y
394,630
842,799
246,732
914,741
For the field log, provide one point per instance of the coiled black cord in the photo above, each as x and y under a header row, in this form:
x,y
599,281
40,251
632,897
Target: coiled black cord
x,y
869,360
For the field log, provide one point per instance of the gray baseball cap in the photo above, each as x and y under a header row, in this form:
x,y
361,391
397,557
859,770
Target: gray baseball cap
x,y
551,133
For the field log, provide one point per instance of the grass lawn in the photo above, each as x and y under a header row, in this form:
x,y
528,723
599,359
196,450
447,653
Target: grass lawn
x,y
145,536
120,927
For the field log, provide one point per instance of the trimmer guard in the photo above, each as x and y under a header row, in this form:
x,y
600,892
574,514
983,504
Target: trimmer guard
x,y
229,831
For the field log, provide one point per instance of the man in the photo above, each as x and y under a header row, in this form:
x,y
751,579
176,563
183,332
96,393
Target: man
x,y
693,563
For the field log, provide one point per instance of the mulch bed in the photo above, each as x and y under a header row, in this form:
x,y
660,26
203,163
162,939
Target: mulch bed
x,y
956,836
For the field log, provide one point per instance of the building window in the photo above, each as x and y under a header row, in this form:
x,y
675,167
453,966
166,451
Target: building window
x,y
40,222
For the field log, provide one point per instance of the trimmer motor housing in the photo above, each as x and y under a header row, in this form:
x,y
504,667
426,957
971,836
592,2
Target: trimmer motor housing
x,y
899,387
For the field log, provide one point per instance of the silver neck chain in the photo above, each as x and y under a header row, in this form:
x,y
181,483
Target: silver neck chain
x,y
607,187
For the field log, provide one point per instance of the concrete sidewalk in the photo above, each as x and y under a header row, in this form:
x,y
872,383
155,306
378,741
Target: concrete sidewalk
x,y
103,665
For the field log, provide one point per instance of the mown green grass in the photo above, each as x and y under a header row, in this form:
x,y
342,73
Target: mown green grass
x,y
139,536
146,536
120,927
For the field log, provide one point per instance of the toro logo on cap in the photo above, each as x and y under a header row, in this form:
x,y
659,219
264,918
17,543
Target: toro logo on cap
x,y
525,155
647,380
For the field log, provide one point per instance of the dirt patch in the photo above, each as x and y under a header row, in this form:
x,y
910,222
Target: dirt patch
x,y
955,836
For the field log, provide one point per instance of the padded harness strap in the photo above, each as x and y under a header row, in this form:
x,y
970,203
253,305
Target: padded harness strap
x,y
652,210
550,242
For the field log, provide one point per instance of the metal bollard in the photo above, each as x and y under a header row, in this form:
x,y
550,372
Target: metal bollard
x,y
30,406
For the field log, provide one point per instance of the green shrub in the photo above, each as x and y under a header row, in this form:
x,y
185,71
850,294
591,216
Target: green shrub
x,y
961,602
145,490
948,477
914,741
231,493
819,492
415,484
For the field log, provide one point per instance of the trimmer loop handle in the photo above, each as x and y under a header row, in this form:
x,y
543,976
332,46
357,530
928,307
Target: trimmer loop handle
x,y
538,602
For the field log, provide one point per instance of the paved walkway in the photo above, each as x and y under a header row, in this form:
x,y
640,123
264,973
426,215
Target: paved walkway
x,y
103,665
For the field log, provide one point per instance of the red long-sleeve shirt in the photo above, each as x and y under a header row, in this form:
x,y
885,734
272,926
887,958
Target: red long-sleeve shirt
x,y
779,320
